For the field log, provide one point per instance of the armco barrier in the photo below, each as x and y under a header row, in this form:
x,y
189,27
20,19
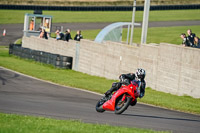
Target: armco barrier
x,y
170,68
56,60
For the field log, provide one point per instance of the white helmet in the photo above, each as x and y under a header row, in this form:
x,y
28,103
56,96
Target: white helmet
x,y
140,73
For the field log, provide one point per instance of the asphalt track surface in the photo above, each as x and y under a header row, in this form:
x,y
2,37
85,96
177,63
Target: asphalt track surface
x,y
21,94
15,31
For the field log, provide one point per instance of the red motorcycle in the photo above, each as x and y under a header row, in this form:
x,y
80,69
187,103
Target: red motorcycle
x,y
120,100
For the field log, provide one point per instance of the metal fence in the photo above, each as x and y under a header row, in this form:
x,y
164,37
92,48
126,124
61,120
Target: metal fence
x,y
98,8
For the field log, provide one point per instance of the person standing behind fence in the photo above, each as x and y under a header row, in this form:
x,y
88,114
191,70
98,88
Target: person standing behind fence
x,y
67,35
59,35
43,34
185,41
196,42
190,37
31,26
78,36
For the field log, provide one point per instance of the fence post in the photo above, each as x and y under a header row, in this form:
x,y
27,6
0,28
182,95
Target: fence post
x,y
145,21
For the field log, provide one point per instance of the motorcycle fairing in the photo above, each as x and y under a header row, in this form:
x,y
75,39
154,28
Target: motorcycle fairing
x,y
110,104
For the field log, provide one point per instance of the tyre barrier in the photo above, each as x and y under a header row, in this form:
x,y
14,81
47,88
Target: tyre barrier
x,y
59,61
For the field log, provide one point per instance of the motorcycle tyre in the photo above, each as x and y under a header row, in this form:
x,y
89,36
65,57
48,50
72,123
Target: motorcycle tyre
x,y
99,108
125,106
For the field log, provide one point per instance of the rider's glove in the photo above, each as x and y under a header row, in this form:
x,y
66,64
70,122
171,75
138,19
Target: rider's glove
x,y
107,93
124,80
121,77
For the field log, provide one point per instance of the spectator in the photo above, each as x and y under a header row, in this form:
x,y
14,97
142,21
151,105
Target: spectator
x,y
78,36
46,24
185,41
59,35
31,26
190,37
196,42
43,34
67,35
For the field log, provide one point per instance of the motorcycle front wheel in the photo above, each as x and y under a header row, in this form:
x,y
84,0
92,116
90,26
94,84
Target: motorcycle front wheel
x,y
99,105
122,104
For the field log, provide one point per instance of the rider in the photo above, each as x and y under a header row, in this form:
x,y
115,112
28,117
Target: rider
x,y
127,78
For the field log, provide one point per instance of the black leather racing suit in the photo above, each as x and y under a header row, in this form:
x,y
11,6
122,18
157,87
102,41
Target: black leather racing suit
x,y
191,39
126,79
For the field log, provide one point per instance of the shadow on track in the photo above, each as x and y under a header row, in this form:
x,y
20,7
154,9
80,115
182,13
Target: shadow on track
x,y
4,80
159,117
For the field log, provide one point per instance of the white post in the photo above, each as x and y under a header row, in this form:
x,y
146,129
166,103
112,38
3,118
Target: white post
x,y
26,24
128,34
133,21
145,22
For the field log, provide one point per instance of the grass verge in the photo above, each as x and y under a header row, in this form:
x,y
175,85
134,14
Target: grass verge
x,y
17,16
93,83
155,34
10,123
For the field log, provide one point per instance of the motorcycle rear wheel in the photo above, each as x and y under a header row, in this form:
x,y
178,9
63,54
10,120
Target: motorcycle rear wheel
x,y
121,106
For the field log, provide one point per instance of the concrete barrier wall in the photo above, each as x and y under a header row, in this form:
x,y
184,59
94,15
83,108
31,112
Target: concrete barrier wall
x,y
169,68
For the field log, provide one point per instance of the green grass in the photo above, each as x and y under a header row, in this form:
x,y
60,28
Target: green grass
x,y
10,123
164,34
47,72
93,83
17,16
155,34
181,103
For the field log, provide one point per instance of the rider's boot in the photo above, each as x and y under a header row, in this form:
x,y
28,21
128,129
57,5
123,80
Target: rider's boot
x,y
115,87
142,92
